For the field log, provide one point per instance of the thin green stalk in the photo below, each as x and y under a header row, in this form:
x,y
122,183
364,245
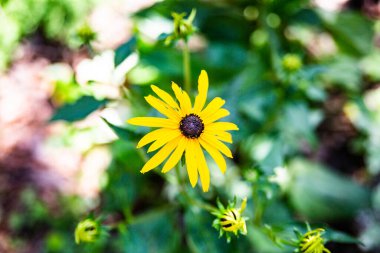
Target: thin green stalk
x,y
186,67
258,204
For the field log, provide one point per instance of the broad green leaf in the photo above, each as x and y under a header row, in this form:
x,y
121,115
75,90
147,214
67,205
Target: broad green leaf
x,y
337,236
275,158
261,241
122,133
78,110
343,72
319,194
353,32
202,237
153,232
123,51
370,65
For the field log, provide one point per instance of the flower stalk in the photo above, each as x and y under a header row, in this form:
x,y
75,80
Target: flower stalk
x,y
186,66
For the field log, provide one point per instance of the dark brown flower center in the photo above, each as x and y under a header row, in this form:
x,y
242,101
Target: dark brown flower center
x,y
191,126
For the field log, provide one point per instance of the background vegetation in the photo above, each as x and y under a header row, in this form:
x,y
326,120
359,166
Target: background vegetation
x,y
300,79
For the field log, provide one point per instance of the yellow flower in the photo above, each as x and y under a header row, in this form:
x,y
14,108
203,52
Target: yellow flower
x,y
312,242
187,130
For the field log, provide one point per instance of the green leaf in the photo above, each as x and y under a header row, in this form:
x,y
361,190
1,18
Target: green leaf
x,y
153,232
202,237
321,195
345,28
123,51
122,133
262,242
337,236
275,158
344,72
78,110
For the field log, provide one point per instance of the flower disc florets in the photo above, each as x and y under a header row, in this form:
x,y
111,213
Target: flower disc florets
x,y
191,126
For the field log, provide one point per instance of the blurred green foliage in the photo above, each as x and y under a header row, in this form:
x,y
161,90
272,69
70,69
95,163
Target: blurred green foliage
x,y
57,20
283,107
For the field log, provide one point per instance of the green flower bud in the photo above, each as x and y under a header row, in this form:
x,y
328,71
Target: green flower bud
x,y
85,34
291,62
230,220
87,230
183,28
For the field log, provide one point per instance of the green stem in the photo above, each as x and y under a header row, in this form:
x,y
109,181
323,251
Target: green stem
x,y
190,200
186,66
259,208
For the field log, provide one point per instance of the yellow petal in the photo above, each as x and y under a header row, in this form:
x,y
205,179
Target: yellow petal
x,y
163,108
191,163
221,126
165,97
176,156
200,99
152,136
220,135
160,156
221,113
217,144
183,99
212,107
170,135
204,173
243,205
215,154
153,122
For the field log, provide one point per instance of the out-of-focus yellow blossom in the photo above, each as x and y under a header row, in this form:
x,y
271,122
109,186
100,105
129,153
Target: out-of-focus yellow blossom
x,y
230,220
87,230
312,242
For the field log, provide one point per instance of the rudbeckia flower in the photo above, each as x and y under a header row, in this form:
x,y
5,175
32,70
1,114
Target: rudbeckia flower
x,y
187,130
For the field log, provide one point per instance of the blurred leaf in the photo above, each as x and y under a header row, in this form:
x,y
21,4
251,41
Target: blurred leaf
x,y
122,133
275,158
370,65
78,110
345,28
320,194
202,237
376,198
337,236
261,241
297,125
153,232
123,171
123,51
344,72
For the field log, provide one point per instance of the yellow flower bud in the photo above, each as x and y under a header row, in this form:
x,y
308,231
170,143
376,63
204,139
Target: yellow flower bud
x,y
312,242
87,230
230,220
